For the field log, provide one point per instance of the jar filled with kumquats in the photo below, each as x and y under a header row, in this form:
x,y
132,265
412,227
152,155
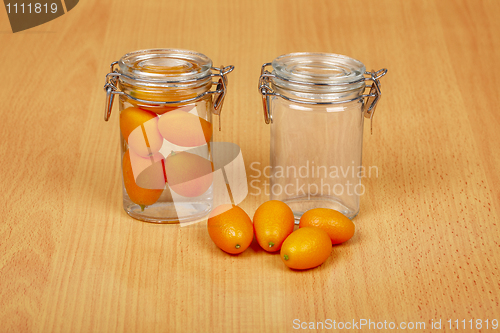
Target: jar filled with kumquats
x,y
166,101
315,104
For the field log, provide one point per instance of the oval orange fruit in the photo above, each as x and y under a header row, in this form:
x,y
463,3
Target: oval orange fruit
x,y
230,228
273,221
139,195
139,129
306,248
185,129
149,172
188,174
338,227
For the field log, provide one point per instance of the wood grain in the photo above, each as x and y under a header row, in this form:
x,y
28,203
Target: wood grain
x,y
426,246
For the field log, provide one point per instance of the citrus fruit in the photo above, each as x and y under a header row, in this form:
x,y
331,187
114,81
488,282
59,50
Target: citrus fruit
x,y
139,195
339,227
149,172
139,129
306,248
188,174
273,222
230,228
185,129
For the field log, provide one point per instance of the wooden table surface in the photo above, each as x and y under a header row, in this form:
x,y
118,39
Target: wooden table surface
x,y
427,243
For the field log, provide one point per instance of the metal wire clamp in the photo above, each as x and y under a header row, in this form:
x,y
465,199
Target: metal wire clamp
x,y
111,89
369,100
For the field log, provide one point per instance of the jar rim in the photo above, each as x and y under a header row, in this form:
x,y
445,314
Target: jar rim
x,y
318,72
165,66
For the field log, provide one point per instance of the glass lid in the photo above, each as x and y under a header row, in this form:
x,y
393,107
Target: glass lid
x,y
310,71
165,65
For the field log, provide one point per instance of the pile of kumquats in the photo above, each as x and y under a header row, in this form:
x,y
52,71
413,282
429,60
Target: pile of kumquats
x,y
232,231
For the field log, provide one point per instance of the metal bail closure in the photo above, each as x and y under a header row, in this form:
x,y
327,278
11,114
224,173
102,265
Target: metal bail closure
x,y
266,103
220,92
374,95
369,100
265,90
110,88
109,103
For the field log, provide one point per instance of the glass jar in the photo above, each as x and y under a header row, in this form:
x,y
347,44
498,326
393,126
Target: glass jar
x,y
316,104
166,103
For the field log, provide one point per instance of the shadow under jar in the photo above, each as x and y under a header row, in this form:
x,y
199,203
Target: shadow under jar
x,y
315,104
166,104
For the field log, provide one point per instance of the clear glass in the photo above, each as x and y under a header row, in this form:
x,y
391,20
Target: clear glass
x,y
163,147
316,148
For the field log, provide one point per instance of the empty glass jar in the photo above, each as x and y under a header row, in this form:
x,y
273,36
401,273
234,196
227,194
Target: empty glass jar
x,y
315,104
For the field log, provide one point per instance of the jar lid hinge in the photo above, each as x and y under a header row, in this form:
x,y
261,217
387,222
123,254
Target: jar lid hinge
x,y
370,100
111,88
